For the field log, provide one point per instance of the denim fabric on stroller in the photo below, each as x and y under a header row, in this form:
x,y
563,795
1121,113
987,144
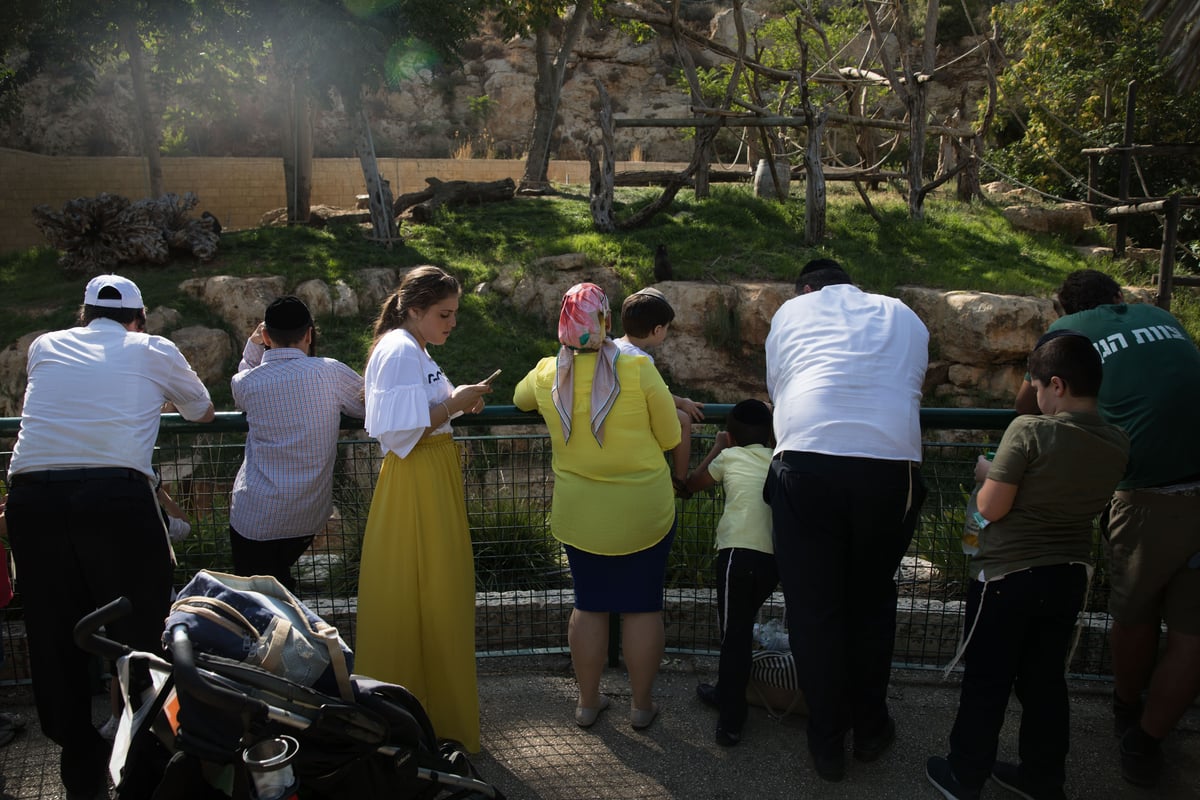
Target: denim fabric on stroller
x,y
257,621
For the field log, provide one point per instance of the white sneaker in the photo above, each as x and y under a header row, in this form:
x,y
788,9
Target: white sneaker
x,y
109,729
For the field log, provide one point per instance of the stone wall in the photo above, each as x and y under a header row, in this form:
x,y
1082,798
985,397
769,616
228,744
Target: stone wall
x,y
237,190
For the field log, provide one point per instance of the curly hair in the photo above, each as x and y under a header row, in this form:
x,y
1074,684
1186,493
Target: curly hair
x,y
1085,289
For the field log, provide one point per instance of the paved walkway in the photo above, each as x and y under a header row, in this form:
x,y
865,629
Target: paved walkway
x,y
532,749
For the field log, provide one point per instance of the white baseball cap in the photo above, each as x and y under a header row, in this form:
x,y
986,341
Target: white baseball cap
x,y
130,296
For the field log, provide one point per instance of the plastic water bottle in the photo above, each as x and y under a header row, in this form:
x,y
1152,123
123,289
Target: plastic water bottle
x,y
771,635
975,522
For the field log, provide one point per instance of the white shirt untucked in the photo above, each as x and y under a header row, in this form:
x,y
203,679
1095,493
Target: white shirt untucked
x,y
95,395
845,370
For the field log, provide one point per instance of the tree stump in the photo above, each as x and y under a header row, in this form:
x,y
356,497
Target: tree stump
x,y
98,233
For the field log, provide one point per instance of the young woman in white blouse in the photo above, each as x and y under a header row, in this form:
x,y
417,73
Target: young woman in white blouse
x,y
416,599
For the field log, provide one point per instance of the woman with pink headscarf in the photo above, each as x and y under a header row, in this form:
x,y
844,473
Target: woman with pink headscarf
x,y
611,417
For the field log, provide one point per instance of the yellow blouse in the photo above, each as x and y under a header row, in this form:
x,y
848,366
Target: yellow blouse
x,y
616,499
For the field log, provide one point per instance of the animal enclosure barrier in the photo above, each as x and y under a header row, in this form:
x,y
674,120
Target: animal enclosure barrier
x,y
523,585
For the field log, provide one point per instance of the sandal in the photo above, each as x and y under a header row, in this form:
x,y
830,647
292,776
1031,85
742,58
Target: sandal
x,y
642,718
586,717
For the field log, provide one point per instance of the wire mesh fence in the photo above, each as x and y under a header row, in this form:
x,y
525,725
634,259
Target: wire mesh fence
x,y
523,585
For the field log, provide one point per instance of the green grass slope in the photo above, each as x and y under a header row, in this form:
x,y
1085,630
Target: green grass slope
x,y
728,236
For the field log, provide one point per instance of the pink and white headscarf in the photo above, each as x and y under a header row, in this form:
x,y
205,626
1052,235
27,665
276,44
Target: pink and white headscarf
x,y
583,325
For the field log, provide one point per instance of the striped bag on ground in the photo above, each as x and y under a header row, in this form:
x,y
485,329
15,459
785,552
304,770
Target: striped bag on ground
x,y
774,685
257,621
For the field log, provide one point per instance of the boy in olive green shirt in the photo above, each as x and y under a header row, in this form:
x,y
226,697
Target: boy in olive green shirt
x,y
1051,476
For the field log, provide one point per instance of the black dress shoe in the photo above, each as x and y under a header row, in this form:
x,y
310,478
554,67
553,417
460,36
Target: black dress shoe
x,y
830,767
726,737
869,748
708,693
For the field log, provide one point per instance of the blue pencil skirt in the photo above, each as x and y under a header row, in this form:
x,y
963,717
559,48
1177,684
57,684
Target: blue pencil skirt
x,y
629,584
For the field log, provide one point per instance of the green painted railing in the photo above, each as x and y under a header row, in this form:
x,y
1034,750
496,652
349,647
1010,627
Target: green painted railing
x,y
524,593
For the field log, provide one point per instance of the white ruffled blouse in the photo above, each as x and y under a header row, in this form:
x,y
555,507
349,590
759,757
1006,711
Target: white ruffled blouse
x,y
401,384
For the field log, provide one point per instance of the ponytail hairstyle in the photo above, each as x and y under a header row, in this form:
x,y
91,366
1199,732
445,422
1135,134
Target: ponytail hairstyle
x,y
420,288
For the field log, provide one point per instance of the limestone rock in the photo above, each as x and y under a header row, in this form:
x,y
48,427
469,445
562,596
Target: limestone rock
x,y
980,327
1068,220
540,292
723,29
345,301
563,263
1139,294
919,571
241,302
208,351
999,190
374,285
315,294
12,375
1144,255
162,320
757,303
506,281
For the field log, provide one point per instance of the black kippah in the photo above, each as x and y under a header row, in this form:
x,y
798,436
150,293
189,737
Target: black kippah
x,y
818,264
287,314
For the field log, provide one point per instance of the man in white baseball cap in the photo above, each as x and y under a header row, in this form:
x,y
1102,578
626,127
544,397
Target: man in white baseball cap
x,y
112,291
82,517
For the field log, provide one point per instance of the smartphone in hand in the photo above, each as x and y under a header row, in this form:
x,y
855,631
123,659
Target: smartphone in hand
x,y
488,380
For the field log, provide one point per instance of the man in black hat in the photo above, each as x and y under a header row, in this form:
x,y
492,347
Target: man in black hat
x,y
844,369
294,401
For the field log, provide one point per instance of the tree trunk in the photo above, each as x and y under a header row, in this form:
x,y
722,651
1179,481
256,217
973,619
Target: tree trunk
x,y
148,132
916,109
379,191
298,154
547,91
814,184
602,168
916,151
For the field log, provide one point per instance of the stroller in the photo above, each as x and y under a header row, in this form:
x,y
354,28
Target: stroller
x,y
203,726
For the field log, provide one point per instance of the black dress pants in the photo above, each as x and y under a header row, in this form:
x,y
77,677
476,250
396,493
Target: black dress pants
x,y
745,579
274,557
841,525
1023,626
81,543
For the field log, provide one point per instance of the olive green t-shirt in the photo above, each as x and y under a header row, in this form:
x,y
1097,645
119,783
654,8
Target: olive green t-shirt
x,y
1065,467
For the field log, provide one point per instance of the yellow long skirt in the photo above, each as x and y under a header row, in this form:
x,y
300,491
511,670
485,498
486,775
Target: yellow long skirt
x,y
416,590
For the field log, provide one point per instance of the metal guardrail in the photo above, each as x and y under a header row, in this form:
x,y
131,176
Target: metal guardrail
x,y
523,584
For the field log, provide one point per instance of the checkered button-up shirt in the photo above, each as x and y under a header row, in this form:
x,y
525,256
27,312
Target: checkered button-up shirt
x,y
293,404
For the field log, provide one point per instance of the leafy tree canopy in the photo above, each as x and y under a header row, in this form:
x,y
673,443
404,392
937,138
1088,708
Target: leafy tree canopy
x,y
1063,84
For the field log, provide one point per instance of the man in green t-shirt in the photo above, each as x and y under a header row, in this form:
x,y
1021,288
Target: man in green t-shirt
x,y
1151,384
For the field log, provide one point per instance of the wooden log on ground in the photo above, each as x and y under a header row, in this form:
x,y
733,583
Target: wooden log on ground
x,y
660,177
424,204
664,177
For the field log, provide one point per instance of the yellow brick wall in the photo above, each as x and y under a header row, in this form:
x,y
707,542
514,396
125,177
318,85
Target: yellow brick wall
x,y
237,190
